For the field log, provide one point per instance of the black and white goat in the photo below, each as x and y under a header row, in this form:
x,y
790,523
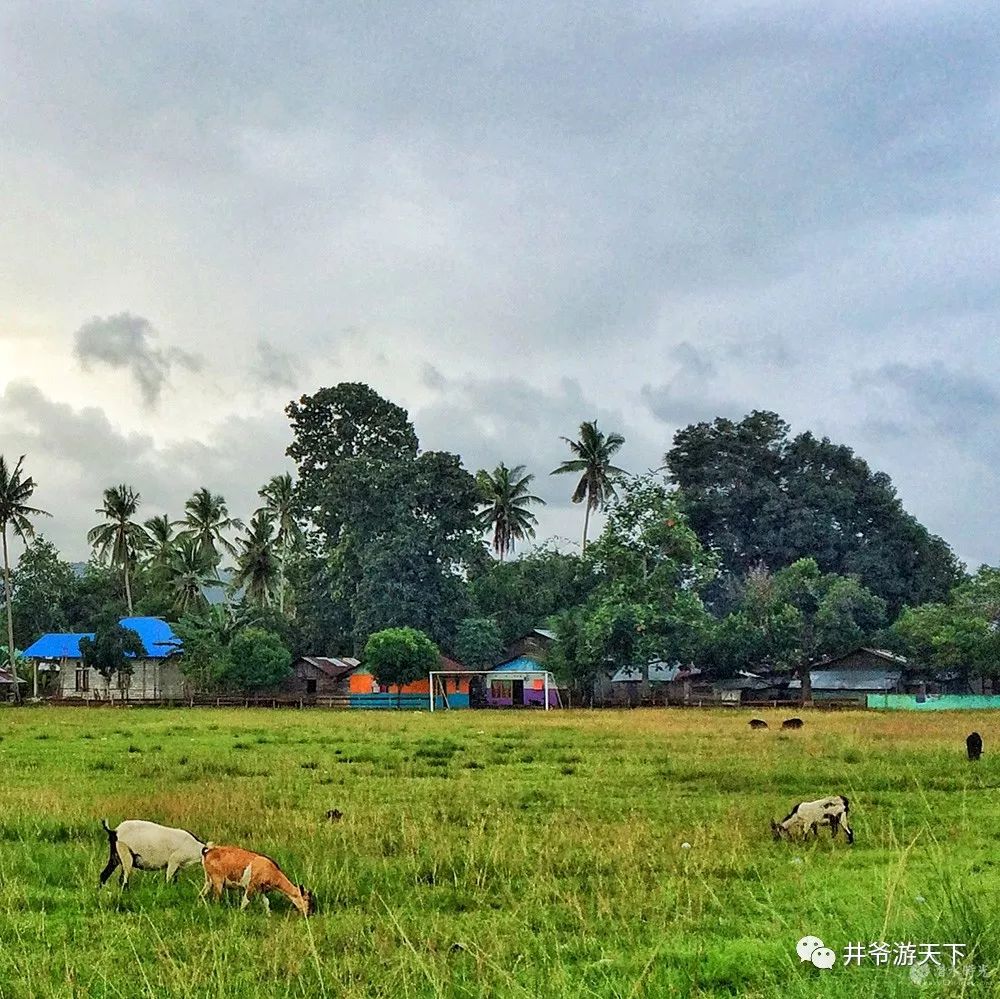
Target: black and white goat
x,y
146,846
808,816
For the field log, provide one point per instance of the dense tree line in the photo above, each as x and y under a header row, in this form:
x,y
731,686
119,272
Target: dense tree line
x,y
754,550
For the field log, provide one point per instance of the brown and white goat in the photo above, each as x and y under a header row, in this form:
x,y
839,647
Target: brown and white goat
x,y
234,867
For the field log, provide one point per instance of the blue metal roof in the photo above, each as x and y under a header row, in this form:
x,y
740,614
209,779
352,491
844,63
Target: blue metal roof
x,y
157,637
519,665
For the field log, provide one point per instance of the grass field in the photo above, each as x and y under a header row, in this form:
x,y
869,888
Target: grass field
x,y
497,854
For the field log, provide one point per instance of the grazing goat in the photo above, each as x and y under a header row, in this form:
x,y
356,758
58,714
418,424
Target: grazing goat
x,y
233,867
758,723
792,723
810,815
334,815
147,846
974,746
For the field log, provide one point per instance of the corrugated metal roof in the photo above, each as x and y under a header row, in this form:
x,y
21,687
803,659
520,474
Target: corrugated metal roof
x,y
851,679
157,637
889,657
545,633
331,666
655,672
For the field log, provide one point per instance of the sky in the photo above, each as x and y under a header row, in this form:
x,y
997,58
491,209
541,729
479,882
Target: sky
x,y
506,217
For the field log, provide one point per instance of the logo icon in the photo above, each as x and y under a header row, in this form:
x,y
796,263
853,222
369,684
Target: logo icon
x,y
813,950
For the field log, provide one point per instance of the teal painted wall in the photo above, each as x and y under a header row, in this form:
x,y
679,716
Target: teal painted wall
x,y
935,702
406,702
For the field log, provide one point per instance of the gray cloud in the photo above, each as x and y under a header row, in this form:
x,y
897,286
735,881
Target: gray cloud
x,y
275,367
940,403
74,454
127,342
674,211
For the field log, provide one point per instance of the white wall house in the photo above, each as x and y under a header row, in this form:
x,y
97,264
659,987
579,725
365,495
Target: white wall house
x,y
154,676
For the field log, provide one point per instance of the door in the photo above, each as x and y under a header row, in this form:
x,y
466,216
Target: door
x,y
517,692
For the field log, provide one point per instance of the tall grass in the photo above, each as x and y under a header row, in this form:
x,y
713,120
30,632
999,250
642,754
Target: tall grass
x,y
496,854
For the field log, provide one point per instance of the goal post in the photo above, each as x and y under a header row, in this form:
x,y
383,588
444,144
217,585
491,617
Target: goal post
x,y
548,682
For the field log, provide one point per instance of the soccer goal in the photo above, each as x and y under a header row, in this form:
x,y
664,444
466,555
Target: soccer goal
x,y
436,688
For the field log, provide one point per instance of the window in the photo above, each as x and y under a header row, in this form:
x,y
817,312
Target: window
x,y
310,686
82,678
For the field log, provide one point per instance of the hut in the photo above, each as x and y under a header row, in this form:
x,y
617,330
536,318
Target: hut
x,y
655,683
320,676
520,682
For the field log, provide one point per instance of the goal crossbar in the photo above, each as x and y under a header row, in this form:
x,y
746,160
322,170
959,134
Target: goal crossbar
x,y
514,674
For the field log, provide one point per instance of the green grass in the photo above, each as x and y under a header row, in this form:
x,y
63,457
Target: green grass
x,y
496,854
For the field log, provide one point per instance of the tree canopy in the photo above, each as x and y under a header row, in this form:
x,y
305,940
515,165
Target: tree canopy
x,y
398,656
758,496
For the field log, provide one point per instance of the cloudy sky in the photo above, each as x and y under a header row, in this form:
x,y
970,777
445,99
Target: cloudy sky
x,y
507,217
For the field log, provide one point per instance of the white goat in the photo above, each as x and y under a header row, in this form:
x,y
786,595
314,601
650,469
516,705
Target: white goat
x,y
147,846
808,816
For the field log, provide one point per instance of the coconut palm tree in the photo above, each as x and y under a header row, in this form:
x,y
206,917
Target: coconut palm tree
x,y
504,509
257,564
162,540
594,451
15,491
121,539
192,569
281,503
206,519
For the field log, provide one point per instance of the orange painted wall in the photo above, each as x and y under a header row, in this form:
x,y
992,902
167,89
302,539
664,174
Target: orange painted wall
x,y
364,683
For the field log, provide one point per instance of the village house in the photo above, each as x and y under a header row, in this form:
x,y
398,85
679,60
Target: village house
x,y
852,676
320,677
155,675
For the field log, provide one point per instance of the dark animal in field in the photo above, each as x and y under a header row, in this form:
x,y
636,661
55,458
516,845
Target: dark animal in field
x,y
334,815
974,746
808,816
792,723
758,723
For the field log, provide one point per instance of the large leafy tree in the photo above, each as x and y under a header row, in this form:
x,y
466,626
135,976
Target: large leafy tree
x,y
645,605
258,660
43,586
398,656
16,490
395,529
257,562
335,431
652,568
594,451
505,501
207,522
120,539
525,592
282,506
790,619
757,496
960,634
478,643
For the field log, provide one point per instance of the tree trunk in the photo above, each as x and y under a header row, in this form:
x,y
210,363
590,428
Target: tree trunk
x,y
807,691
128,588
10,616
586,526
